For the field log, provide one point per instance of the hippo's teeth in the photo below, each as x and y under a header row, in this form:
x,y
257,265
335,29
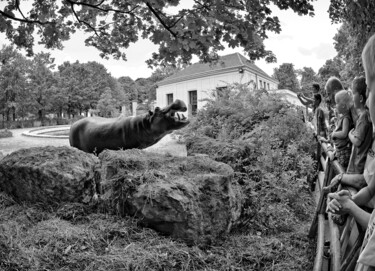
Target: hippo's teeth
x,y
178,115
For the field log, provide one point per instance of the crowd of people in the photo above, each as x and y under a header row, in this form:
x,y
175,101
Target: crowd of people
x,y
348,126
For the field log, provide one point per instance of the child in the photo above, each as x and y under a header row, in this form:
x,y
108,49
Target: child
x,y
342,202
361,135
344,124
320,124
332,86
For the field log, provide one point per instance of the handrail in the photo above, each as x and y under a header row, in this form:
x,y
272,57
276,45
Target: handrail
x,y
339,236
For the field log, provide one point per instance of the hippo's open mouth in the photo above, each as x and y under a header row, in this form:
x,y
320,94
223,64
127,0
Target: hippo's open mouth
x,y
178,117
174,111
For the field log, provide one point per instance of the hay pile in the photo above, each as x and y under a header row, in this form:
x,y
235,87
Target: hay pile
x,y
33,239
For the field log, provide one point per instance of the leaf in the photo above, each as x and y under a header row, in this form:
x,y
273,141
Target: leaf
x,y
67,250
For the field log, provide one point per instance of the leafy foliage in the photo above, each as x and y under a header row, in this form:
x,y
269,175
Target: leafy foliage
x,y
13,82
266,142
201,30
308,77
358,25
106,104
83,83
40,83
286,75
332,67
5,133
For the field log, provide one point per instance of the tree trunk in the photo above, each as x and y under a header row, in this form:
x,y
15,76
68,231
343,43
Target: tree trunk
x,y
14,113
40,114
8,114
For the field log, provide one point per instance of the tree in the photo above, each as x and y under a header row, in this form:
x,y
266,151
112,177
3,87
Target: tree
x,y
158,75
308,77
129,89
106,105
286,75
348,51
83,83
40,82
13,83
358,25
112,26
332,67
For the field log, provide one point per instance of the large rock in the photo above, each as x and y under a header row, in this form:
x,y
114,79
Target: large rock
x,y
191,198
49,175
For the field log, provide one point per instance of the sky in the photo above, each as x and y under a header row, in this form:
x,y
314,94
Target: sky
x,y
304,41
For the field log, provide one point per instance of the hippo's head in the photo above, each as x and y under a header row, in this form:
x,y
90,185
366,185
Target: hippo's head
x,y
164,121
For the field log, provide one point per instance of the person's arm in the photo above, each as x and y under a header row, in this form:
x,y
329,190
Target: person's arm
x,y
366,193
344,131
302,100
355,141
357,135
342,203
355,180
308,100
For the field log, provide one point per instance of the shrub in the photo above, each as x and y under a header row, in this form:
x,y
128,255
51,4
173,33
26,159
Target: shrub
x,y
270,148
5,133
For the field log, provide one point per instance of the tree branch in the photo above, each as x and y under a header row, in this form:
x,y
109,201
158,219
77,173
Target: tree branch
x,y
202,5
97,6
19,9
24,20
84,22
161,21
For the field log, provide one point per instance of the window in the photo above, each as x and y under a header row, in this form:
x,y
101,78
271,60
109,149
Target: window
x,y
264,85
260,83
268,85
169,98
193,102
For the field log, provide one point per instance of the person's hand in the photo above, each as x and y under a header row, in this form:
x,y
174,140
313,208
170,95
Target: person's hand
x,y
340,203
331,155
332,187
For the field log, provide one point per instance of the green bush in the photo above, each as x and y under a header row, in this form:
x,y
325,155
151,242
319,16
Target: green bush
x,y
271,150
5,133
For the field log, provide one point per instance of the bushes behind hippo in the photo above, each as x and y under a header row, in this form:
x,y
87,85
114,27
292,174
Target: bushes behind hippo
x,y
5,133
266,142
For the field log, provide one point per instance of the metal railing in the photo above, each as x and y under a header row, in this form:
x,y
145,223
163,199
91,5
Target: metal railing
x,y
344,241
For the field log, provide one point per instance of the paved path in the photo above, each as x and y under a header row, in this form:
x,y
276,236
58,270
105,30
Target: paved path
x,y
19,141
168,145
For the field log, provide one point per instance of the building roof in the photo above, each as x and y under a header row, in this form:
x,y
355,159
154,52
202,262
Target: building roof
x,y
227,62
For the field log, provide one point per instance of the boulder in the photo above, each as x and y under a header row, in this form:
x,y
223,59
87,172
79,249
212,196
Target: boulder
x,y
49,175
190,198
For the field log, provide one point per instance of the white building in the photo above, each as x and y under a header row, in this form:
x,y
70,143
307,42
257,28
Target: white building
x,y
197,81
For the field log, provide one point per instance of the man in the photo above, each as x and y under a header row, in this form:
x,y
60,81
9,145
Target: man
x,y
306,101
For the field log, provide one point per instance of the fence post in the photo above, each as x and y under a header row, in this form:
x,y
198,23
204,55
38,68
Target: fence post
x,y
320,209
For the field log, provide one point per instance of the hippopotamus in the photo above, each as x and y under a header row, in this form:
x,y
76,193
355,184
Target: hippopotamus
x,y
94,134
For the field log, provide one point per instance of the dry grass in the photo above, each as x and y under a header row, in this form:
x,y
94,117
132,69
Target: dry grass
x,y
75,237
